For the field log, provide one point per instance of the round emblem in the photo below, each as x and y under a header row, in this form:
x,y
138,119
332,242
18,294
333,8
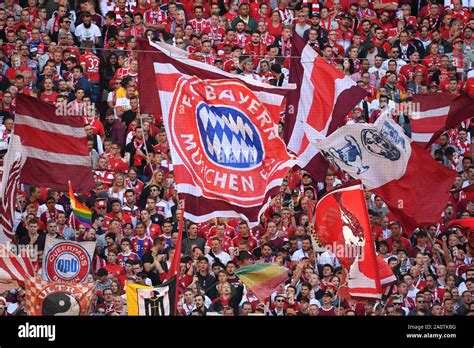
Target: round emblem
x,y
67,262
226,140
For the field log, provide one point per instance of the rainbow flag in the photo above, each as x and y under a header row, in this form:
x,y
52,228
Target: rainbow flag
x,y
262,278
82,213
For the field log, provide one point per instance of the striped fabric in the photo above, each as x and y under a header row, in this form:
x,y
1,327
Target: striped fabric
x,y
322,100
429,115
436,113
80,210
13,163
55,146
15,267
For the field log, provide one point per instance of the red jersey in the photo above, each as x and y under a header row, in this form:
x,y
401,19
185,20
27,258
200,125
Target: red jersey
x,y
384,44
106,177
385,27
405,243
199,25
464,16
411,20
136,31
267,39
229,64
241,39
229,232
274,31
226,243
409,71
116,270
49,98
216,34
252,242
257,51
92,66
431,61
155,17
153,231
402,81
118,165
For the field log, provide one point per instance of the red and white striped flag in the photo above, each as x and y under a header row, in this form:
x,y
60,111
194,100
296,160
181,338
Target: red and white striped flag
x,y
437,112
322,99
15,267
12,165
55,146
161,65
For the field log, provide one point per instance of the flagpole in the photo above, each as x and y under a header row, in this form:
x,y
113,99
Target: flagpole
x,y
146,148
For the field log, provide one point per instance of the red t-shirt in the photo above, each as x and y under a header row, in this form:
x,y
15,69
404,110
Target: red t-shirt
x,y
97,126
51,98
92,66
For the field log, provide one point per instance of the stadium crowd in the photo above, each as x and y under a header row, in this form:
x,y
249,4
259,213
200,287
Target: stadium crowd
x,y
83,55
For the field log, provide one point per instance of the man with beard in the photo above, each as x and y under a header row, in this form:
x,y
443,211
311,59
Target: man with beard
x,y
87,31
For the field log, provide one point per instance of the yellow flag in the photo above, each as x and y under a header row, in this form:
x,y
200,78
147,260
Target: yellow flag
x,y
132,297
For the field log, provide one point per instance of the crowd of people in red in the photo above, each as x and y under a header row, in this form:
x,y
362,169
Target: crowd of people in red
x,y
82,55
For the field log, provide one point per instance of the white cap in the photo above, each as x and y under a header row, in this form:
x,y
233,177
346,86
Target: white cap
x,y
315,302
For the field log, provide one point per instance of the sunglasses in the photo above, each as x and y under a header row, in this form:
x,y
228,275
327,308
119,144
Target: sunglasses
x,y
279,301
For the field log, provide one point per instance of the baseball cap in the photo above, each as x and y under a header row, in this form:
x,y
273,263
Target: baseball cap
x,y
315,302
327,293
295,193
101,204
316,14
275,213
103,195
457,41
228,43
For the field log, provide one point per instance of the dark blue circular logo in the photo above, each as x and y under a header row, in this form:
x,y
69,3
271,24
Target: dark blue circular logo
x,y
228,137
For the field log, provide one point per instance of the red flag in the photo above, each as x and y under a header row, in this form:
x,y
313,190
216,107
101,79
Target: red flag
x,y
385,272
342,223
322,99
55,146
15,267
405,196
436,113
462,223
227,157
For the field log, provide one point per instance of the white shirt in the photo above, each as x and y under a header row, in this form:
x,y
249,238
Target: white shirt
x,y
400,63
90,33
328,258
42,208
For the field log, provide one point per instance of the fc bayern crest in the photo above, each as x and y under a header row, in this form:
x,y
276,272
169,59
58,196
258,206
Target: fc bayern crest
x,y
225,138
66,262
